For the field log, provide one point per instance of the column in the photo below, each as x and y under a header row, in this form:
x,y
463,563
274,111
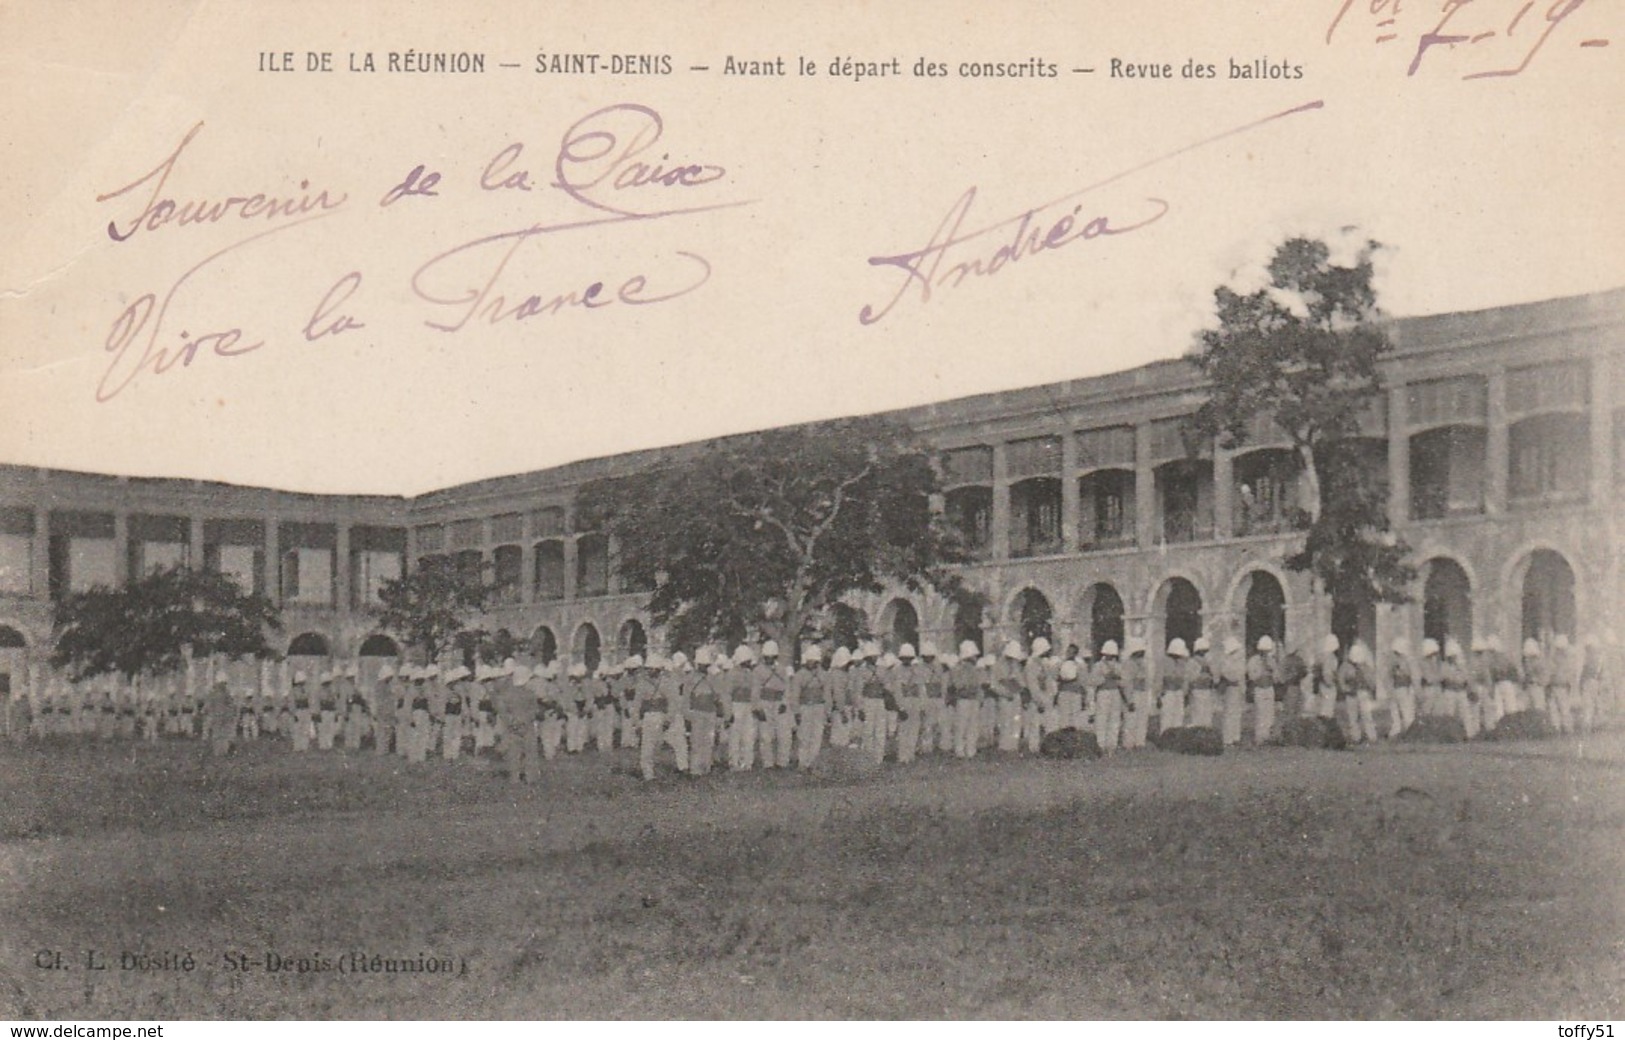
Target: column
x,y
411,559
341,566
121,549
1145,488
39,555
612,553
527,568
194,543
1224,518
273,564
1069,492
1602,428
1399,457
569,554
1001,503
1495,451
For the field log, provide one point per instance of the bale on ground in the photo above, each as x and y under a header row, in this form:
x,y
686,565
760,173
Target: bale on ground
x,y
1313,731
844,763
1191,740
1436,729
1522,725
1070,742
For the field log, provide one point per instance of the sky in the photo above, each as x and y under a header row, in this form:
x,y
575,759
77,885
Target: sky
x,y
589,263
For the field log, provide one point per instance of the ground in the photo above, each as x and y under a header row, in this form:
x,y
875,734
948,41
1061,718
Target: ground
x,y
1480,881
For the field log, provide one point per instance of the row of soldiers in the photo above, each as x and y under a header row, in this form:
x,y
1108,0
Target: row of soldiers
x,y
749,706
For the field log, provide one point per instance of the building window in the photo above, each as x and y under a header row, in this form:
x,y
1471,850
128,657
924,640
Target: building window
x,y
470,565
970,512
1447,472
157,543
307,577
1106,509
1549,459
16,551
236,548
1185,494
1265,496
82,552
509,567
377,555
373,568
550,570
592,565
1035,517
308,564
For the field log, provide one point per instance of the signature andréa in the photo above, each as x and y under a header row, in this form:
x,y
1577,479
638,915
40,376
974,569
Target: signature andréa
x,y
607,163
955,252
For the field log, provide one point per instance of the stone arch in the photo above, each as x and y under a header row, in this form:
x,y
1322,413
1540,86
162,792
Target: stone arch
x,y
1547,594
1174,611
379,645
900,621
544,645
1030,614
1513,572
1263,607
969,614
632,638
309,644
587,646
1102,611
1447,600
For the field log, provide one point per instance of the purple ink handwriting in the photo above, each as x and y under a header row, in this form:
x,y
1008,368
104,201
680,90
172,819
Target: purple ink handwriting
x,y
957,250
612,167
1472,39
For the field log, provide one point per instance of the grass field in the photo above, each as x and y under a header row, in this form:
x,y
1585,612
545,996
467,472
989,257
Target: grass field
x,y
1483,881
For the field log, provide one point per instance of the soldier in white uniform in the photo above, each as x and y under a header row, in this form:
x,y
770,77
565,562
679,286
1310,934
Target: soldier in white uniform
x,y
705,697
1402,683
1262,668
964,700
744,698
809,696
1175,683
912,703
1107,675
1038,710
553,700
777,724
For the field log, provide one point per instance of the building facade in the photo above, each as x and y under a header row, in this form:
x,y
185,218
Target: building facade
x,y
1500,438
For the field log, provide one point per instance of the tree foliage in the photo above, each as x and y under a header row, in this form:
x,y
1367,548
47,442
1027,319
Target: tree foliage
x,y
147,626
768,531
430,607
1305,350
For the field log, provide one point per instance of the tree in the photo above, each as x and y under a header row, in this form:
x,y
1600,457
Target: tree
x,y
478,646
768,531
150,625
1305,350
429,608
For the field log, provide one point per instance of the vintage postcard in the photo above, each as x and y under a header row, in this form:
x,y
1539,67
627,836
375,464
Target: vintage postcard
x,y
812,510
